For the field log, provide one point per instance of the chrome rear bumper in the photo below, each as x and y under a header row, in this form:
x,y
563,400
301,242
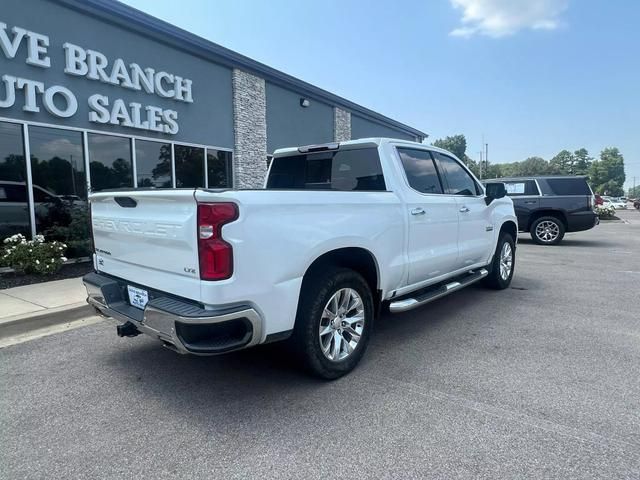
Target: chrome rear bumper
x,y
180,325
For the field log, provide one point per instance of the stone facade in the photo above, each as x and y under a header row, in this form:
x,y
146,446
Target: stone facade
x,y
250,130
341,125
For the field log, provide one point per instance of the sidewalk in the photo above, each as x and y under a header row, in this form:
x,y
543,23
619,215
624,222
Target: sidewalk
x,y
42,299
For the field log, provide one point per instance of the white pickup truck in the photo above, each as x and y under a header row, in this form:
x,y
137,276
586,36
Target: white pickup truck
x,y
339,232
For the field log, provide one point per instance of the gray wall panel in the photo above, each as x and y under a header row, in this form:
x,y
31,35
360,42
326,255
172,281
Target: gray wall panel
x,y
362,128
290,125
208,120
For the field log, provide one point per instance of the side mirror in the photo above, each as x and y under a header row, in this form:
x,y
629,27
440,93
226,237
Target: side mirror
x,y
494,191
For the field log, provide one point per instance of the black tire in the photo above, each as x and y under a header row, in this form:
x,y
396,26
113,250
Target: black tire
x,y
317,291
556,231
495,279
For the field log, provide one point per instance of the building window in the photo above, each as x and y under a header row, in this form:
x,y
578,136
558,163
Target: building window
x,y
60,187
219,169
111,165
153,164
189,166
14,207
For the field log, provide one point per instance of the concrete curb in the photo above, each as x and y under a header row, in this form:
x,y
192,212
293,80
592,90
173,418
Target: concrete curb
x,y
21,324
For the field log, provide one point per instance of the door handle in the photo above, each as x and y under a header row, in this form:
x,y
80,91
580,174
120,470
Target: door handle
x,y
418,211
464,210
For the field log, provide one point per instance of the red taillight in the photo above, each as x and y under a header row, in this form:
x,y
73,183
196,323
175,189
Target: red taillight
x,y
216,255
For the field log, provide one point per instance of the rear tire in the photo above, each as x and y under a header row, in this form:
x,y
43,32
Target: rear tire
x,y
503,264
547,230
334,322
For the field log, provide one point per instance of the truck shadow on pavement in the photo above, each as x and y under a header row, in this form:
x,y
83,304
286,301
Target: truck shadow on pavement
x,y
572,242
271,369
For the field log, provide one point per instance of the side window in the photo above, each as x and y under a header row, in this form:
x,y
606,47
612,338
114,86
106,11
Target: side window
x,y
421,170
569,186
16,193
457,180
40,196
521,188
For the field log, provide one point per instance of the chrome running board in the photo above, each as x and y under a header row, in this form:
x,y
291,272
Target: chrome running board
x,y
436,292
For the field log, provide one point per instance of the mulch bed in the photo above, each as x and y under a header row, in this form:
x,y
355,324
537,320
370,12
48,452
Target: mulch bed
x,y
10,280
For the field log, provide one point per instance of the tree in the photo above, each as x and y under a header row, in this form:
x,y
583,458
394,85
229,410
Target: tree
x,y
607,174
562,163
493,170
530,166
457,144
582,162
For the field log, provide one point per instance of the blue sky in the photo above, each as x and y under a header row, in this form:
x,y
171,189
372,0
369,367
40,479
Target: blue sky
x,y
532,76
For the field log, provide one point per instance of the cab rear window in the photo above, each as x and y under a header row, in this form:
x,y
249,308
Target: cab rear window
x,y
342,170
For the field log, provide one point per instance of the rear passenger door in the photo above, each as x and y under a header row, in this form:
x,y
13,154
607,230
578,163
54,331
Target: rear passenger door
x,y
526,199
432,245
475,229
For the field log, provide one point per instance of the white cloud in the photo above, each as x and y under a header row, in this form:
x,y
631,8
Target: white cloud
x,y
498,18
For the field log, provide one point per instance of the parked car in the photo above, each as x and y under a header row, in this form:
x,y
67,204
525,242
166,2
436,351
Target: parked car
x,y
636,203
548,207
14,207
340,231
617,203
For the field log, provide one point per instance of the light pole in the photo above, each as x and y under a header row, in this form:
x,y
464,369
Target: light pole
x,y
73,174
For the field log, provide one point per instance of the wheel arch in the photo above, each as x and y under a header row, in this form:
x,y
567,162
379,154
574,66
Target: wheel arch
x,y
509,227
358,259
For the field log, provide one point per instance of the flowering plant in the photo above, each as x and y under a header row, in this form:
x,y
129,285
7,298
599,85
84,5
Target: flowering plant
x,y
605,211
32,256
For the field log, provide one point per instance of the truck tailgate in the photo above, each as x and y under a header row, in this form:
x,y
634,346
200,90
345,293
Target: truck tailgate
x,y
148,238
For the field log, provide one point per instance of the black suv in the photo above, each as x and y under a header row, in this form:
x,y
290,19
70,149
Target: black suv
x,y
547,207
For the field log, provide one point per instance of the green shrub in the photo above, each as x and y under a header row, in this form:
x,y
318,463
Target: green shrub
x,y
33,256
76,233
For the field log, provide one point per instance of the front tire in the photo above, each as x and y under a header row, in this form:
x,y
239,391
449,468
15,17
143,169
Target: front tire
x,y
334,322
503,264
547,230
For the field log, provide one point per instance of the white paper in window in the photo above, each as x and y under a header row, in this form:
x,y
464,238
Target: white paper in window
x,y
515,188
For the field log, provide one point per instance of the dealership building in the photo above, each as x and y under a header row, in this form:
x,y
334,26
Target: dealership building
x,y
99,95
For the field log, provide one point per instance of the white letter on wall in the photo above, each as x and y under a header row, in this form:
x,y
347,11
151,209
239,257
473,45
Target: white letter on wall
x,y
97,63
170,117
142,78
36,48
10,97
120,114
69,97
120,75
160,89
30,89
97,103
75,60
10,47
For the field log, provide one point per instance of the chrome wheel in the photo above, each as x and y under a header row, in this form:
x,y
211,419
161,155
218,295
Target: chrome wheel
x,y
506,261
547,231
342,324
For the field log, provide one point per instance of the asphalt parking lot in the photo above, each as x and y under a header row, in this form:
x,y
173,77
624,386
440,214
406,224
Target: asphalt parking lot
x,y
538,381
